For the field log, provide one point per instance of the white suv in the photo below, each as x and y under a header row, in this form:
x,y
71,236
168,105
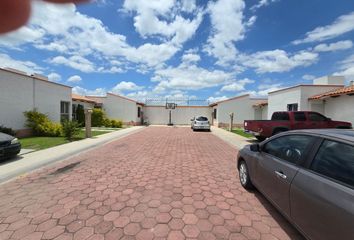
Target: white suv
x,y
200,123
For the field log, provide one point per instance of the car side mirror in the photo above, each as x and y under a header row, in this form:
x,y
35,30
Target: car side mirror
x,y
255,147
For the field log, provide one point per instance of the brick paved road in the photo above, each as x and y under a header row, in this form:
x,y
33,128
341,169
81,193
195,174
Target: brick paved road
x,y
156,184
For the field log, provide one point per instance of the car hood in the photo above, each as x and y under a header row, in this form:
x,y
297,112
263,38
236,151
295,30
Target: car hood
x,y
5,137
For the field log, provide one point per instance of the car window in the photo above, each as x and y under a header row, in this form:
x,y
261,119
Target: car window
x,y
290,148
335,160
279,116
316,117
202,119
299,116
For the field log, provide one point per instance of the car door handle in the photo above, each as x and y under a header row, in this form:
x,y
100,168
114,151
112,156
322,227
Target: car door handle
x,y
280,174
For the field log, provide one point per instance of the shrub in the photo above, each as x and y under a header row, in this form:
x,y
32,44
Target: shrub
x,y
70,129
107,123
116,123
97,118
41,125
80,114
7,130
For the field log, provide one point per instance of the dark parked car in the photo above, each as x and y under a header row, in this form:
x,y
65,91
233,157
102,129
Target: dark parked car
x,y
309,176
285,121
9,146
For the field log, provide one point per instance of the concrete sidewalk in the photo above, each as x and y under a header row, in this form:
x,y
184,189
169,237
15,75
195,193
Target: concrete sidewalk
x,y
31,161
233,139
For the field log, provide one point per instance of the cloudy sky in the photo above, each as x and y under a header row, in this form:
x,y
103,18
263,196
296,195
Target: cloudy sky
x,y
184,48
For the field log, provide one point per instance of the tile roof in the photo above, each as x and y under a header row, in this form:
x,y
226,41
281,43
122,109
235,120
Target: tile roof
x,y
334,93
77,97
261,104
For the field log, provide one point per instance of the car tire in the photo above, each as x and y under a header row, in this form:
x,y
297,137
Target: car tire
x,y
261,139
244,176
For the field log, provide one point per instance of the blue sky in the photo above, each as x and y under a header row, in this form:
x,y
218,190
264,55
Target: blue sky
x,y
184,48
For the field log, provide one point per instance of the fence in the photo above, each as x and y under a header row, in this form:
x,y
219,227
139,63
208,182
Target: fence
x,y
179,102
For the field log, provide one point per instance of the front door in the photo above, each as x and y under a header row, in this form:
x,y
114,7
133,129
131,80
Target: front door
x,y
279,162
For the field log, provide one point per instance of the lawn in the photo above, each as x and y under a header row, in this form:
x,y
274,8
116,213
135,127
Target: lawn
x,y
241,132
39,143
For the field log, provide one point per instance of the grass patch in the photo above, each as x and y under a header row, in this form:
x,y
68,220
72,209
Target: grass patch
x,y
241,132
39,143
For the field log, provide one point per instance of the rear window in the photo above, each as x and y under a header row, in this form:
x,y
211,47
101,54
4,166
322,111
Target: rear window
x,y
280,116
202,119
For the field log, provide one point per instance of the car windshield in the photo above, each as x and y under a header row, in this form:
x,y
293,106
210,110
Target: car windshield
x,y
202,119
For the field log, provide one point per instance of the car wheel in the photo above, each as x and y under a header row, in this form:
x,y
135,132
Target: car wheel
x,y
244,176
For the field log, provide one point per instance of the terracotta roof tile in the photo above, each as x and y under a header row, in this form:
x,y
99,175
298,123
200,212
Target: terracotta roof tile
x,y
334,93
77,97
261,104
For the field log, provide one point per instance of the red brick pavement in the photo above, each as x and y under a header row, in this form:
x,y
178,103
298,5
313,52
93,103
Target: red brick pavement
x,y
160,183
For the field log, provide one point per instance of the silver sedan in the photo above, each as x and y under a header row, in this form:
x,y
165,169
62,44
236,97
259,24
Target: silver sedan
x,y
309,176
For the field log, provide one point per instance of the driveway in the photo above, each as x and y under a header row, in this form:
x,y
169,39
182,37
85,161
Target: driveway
x,y
162,182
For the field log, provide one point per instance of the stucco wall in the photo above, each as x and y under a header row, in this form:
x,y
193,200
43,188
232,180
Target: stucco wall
x,y
19,93
278,101
120,108
340,108
180,116
242,108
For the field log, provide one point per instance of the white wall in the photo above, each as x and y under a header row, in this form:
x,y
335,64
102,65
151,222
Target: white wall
x,y
242,107
340,108
120,108
180,116
279,100
20,93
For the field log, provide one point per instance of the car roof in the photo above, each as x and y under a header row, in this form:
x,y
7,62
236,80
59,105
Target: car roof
x,y
344,134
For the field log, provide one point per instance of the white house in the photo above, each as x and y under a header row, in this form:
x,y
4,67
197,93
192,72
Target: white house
x,y
123,108
85,102
243,107
20,92
296,98
337,104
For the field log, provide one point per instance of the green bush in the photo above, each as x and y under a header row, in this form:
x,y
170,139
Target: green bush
x,y
7,130
107,123
41,125
80,114
98,117
70,129
116,123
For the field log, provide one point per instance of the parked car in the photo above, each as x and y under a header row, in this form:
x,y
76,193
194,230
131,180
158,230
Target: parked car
x,y
285,121
200,123
9,146
308,175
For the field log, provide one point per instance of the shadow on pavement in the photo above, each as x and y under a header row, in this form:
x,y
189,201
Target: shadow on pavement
x,y
10,160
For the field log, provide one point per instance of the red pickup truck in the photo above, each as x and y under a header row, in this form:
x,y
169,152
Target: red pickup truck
x,y
285,121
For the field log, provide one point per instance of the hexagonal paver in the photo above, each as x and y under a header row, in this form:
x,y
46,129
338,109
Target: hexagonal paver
x,y
158,183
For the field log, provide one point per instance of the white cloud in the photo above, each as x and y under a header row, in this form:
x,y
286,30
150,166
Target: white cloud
x,y
308,77
262,3
264,89
126,86
26,66
228,26
162,19
341,25
236,86
54,77
341,45
190,57
216,99
189,76
75,79
76,62
346,67
84,91
277,60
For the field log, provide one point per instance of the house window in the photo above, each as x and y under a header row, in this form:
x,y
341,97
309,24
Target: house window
x,y
139,112
74,109
214,115
293,107
64,111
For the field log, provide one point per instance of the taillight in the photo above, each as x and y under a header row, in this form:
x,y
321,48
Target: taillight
x,y
245,124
